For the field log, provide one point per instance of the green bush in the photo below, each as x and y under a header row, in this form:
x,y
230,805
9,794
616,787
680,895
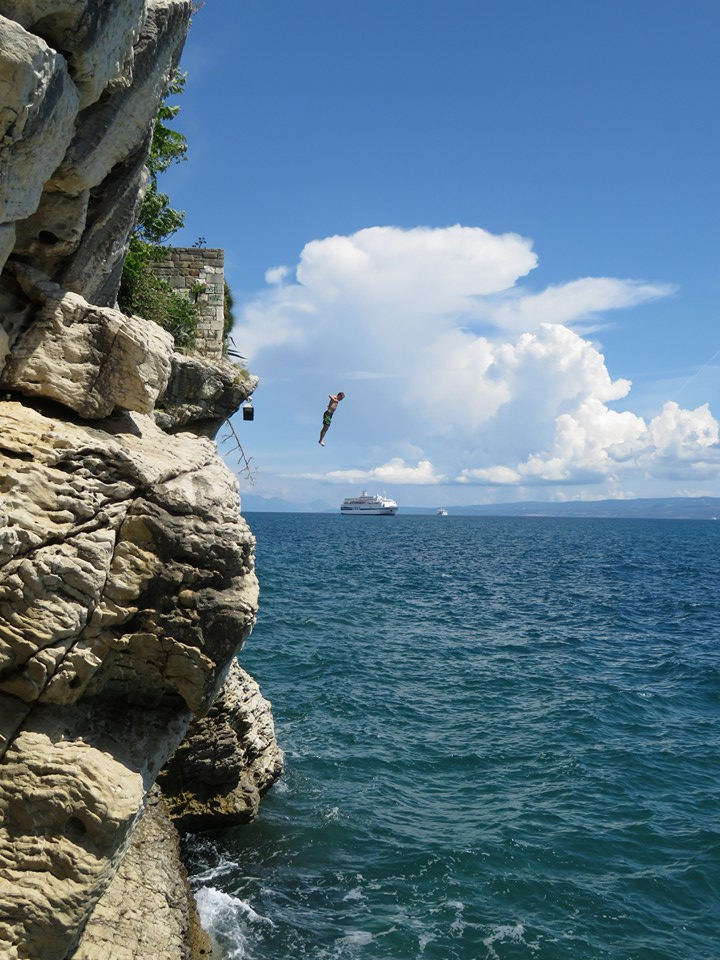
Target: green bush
x,y
155,299
141,292
228,304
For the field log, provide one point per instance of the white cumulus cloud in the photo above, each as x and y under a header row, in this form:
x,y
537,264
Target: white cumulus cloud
x,y
441,346
577,302
595,443
393,472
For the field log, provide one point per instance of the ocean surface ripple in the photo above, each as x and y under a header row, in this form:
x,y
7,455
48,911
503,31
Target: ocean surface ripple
x,y
502,741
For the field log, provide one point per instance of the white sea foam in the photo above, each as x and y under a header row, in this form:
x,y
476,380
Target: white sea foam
x,y
355,894
506,932
226,918
357,938
216,872
423,940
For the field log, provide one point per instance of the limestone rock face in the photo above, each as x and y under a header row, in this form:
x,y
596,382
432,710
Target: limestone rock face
x,y
71,791
127,575
227,761
38,108
80,86
96,38
201,395
151,880
95,268
92,359
111,128
127,565
127,584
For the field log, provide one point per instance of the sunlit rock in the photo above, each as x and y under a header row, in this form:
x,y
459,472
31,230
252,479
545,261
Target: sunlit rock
x,y
227,761
127,574
201,394
91,359
38,108
96,39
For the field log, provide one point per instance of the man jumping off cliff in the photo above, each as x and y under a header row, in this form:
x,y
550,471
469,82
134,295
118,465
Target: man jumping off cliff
x,y
328,415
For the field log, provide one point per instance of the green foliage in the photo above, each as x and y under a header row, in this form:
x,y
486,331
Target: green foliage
x,y
158,220
141,292
228,312
155,299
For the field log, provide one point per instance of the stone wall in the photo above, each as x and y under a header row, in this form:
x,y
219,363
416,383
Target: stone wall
x,y
199,275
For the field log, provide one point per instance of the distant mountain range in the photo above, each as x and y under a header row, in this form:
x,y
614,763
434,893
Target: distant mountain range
x,y
657,508
252,503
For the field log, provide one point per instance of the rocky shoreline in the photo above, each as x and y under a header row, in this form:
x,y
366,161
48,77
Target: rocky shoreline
x,y
127,574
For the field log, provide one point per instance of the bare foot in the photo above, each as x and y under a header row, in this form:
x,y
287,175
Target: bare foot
x,y
321,443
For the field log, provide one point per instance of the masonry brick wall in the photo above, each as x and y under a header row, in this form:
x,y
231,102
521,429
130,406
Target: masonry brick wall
x,y
199,275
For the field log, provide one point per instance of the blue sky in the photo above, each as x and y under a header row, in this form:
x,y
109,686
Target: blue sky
x,y
492,224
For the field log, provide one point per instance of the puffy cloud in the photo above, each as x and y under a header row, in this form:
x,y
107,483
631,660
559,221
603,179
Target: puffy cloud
x,y
493,476
383,284
578,302
685,443
590,444
435,270
380,286
523,382
441,347
395,471
595,443
276,274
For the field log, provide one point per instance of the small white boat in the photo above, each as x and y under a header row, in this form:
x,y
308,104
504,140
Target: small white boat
x,y
368,506
442,512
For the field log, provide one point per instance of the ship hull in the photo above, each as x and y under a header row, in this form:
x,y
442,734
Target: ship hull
x,y
368,511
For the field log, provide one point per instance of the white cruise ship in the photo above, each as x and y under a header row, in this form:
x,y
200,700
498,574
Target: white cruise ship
x,y
368,506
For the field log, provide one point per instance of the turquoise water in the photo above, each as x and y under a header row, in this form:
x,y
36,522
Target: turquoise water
x,y
502,741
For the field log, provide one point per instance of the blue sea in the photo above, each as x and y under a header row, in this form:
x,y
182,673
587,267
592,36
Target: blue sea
x,y
502,739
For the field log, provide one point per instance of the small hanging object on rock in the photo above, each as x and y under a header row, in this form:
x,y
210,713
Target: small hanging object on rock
x,y
248,410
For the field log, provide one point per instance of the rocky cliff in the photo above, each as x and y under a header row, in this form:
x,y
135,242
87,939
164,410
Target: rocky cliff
x,y
127,580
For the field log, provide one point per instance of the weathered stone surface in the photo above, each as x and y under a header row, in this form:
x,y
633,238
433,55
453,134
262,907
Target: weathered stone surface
x,y
227,761
96,38
56,227
126,584
104,531
38,107
95,268
91,359
202,393
109,131
4,346
127,581
7,242
151,882
71,791
75,122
